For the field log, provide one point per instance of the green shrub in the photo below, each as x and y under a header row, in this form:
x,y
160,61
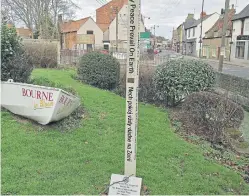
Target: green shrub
x,y
209,115
175,79
99,70
43,81
14,63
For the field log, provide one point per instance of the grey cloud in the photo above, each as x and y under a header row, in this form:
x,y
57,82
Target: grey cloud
x,y
166,13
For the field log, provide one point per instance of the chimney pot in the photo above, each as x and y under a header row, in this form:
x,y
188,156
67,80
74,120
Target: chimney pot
x,y
203,14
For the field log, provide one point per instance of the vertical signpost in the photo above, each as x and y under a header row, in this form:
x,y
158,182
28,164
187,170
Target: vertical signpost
x,y
129,184
132,72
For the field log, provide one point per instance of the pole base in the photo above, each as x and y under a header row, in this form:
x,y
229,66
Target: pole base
x,y
124,185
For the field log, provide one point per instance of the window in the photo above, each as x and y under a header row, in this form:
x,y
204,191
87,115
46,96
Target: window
x,y
89,32
213,52
240,50
186,33
204,51
246,28
248,53
216,34
228,33
242,26
193,32
189,33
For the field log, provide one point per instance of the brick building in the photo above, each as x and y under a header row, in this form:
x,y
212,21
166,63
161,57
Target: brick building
x,y
107,20
212,39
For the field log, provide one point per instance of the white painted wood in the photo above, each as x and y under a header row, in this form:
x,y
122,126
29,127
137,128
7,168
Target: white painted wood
x,y
39,103
132,87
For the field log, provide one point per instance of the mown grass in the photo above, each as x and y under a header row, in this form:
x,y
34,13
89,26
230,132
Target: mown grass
x,y
81,161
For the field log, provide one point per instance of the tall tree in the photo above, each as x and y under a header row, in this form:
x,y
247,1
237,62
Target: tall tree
x,y
35,13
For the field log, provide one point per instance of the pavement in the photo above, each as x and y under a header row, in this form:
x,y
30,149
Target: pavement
x,y
232,68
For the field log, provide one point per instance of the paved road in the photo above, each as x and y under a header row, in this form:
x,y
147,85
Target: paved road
x,y
232,69
241,71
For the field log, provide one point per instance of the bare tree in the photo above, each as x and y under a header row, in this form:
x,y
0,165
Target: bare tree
x,y
39,15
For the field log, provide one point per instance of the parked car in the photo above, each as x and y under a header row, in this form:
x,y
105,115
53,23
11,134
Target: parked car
x,y
156,51
104,51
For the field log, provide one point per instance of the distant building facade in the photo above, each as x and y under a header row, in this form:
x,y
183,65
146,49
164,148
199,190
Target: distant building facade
x,y
212,40
82,34
179,44
188,22
106,18
240,37
24,33
174,39
193,32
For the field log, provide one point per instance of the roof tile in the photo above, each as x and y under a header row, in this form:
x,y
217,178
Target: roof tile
x,y
243,14
73,26
217,27
106,14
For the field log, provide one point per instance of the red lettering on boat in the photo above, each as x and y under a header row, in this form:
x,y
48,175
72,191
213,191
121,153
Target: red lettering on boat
x,y
24,93
36,94
50,97
61,99
39,95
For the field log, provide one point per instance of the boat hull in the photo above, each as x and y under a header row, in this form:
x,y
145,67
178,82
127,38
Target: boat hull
x,y
39,103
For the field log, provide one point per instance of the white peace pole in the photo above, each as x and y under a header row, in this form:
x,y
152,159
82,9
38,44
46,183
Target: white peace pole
x,y
132,72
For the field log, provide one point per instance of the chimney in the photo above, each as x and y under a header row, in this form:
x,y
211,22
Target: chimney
x,y
203,14
190,16
222,11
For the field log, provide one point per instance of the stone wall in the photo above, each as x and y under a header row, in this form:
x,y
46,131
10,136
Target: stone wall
x,y
233,84
236,88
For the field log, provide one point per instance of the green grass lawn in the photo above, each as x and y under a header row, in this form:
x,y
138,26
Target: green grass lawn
x,y
81,161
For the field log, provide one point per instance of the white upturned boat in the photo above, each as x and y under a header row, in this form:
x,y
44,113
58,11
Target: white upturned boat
x,y
39,103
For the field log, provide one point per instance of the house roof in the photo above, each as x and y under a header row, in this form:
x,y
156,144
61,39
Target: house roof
x,y
217,27
197,22
188,23
243,14
103,27
179,26
72,26
105,14
22,32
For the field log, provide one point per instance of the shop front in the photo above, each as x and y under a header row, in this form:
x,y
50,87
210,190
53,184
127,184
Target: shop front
x,y
240,49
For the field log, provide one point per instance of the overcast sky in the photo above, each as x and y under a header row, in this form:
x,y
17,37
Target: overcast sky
x,y
165,13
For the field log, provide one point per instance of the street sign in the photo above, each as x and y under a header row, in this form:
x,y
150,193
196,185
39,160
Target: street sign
x,y
132,72
145,35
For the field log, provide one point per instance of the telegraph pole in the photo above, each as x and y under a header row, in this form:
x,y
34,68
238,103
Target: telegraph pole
x,y
154,36
224,29
201,29
154,27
